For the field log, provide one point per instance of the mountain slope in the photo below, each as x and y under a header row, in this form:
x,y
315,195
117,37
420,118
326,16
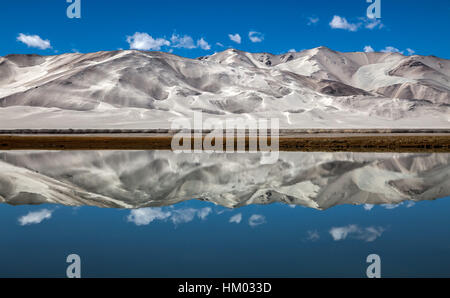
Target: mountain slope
x,y
135,179
312,88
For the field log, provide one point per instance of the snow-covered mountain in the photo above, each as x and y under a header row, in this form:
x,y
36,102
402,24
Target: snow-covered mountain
x,y
317,88
135,179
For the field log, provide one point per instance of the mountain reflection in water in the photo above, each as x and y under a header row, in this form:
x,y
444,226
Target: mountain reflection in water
x,y
153,226
137,179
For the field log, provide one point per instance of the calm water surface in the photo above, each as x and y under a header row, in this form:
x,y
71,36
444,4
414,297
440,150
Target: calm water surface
x,y
158,214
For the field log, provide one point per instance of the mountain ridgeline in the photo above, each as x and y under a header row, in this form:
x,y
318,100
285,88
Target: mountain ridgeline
x,y
312,88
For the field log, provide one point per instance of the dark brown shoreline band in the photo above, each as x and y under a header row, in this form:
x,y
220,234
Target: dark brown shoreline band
x,y
426,143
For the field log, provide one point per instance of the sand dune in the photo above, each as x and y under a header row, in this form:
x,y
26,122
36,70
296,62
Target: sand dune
x,y
317,88
134,179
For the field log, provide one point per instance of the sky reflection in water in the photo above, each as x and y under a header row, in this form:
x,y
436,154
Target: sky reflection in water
x,y
202,240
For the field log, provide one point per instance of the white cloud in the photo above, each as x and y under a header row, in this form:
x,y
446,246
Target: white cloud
x,y
368,49
236,218
188,215
292,51
34,41
204,212
313,235
410,51
219,44
368,207
35,217
143,41
183,216
407,204
371,233
410,204
390,49
391,206
145,216
235,37
255,36
340,233
203,44
256,220
368,234
185,42
372,24
341,23
312,21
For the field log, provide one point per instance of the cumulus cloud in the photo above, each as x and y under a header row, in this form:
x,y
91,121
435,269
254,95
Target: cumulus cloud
x,y
143,41
407,204
35,217
371,233
34,41
292,51
341,23
373,24
235,37
204,212
341,233
256,220
187,215
236,218
390,49
368,49
312,21
203,44
367,234
368,207
185,41
391,206
313,235
410,51
183,216
145,216
410,204
255,36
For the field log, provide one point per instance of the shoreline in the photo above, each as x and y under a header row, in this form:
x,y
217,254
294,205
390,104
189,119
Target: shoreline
x,y
414,141
281,132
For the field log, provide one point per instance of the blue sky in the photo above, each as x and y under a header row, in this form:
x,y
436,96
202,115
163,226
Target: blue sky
x,y
422,26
